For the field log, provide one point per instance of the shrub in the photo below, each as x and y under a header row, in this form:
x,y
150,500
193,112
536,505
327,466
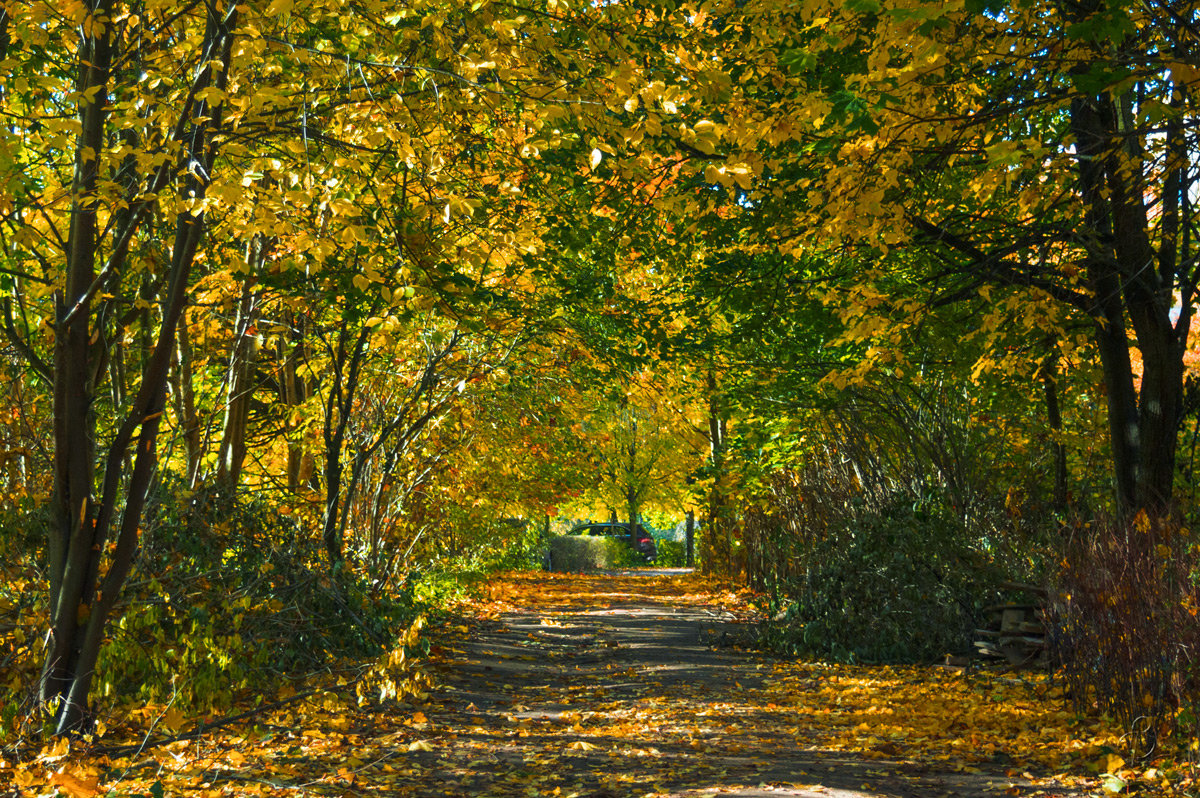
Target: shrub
x,y
237,597
671,554
884,536
620,555
573,553
23,601
895,585
1125,627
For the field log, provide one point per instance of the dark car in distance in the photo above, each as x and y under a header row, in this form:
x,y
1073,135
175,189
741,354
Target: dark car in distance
x,y
634,535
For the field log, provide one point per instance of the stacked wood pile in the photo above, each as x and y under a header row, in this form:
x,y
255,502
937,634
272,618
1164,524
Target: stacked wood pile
x,y
1015,630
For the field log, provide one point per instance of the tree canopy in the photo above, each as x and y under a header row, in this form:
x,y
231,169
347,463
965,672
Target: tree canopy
x,y
416,281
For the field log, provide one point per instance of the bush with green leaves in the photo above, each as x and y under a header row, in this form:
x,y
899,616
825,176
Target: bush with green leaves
x,y
901,584
884,537
236,596
671,554
581,553
23,601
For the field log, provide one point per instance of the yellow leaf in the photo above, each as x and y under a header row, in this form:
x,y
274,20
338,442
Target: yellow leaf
x,y
420,745
172,719
76,787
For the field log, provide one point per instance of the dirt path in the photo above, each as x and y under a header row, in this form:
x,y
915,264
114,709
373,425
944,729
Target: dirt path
x,y
624,686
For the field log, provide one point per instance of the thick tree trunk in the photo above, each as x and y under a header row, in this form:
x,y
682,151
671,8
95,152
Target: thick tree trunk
x,y
73,536
1121,268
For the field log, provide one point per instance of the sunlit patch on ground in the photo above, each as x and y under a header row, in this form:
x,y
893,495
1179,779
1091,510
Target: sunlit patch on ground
x,y
599,686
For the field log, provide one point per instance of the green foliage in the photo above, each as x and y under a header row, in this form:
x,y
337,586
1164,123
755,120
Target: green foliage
x,y
898,583
573,553
576,553
22,604
671,554
478,540
619,554
884,541
233,605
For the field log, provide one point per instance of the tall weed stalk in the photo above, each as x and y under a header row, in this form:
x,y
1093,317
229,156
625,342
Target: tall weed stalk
x,y
1127,630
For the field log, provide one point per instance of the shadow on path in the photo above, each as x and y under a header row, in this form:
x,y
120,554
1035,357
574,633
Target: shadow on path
x,y
611,685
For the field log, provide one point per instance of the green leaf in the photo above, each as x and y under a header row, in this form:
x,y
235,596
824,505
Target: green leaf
x,y
1100,77
864,6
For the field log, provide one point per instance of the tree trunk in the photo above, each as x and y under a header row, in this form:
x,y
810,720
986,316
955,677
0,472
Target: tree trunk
x,y
293,392
718,546
86,576
1058,450
183,375
239,379
1143,425
690,539
338,406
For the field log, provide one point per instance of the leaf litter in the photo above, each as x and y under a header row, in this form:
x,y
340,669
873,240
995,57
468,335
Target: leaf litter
x,y
562,685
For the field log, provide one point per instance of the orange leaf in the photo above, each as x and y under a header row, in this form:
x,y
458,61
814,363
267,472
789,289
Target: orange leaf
x,y
75,786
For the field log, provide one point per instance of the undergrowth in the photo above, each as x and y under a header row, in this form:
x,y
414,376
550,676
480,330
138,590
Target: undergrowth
x,y
1127,634
229,598
582,553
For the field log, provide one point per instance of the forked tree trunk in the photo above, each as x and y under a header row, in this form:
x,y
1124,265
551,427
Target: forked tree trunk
x,y
1129,280
239,388
339,404
86,575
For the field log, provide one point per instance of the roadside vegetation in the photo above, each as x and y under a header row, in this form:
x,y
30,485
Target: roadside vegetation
x,y
316,317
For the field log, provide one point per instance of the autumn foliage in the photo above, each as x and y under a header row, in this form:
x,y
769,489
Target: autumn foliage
x,y
316,315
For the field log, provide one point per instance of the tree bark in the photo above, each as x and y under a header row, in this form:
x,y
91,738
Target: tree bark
x,y
1125,284
1058,449
293,392
185,403
689,537
338,405
719,549
239,378
86,577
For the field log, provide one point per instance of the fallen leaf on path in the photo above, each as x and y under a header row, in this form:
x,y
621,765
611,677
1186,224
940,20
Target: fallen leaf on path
x,y
76,787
